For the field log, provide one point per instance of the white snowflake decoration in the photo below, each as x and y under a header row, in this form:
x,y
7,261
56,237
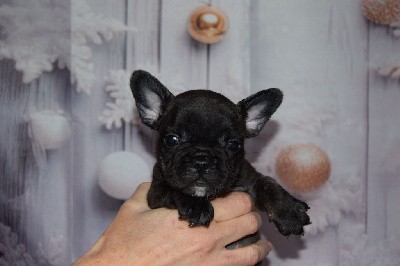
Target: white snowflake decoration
x,y
123,109
40,32
53,252
341,193
13,252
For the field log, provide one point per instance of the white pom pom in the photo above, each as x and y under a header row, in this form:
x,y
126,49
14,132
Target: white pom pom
x,y
121,172
50,129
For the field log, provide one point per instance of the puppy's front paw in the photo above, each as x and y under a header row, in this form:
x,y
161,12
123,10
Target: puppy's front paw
x,y
288,213
196,211
289,216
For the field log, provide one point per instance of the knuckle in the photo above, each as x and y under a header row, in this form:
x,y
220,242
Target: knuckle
x,y
244,200
253,256
253,222
142,186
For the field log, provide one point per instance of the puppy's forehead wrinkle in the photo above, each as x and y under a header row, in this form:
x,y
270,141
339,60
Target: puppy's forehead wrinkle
x,y
205,116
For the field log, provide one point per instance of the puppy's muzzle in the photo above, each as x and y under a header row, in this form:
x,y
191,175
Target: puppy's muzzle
x,y
203,162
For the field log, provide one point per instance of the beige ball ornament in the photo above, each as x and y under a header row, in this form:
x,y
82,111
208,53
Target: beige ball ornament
x,y
303,167
121,172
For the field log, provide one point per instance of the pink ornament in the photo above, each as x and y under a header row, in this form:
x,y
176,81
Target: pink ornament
x,y
303,167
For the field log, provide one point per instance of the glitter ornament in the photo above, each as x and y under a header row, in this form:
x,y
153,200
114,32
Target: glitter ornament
x,y
121,172
383,12
303,167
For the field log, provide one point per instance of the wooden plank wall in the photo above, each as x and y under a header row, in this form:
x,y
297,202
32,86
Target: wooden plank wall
x,y
320,62
323,49
383,219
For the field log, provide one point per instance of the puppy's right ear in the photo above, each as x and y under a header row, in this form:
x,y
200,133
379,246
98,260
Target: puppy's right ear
x,y
151,96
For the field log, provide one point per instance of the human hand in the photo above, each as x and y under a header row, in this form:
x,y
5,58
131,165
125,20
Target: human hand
x,y
142,236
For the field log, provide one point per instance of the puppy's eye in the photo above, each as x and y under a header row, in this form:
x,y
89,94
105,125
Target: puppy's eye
x,y
171,140
234,145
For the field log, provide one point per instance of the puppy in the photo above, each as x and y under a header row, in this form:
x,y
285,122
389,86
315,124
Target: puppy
x,y
200,153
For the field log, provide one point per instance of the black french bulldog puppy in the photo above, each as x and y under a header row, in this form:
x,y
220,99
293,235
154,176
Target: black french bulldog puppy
x,y
200,152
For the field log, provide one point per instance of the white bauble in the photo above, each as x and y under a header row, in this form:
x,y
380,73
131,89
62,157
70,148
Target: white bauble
x,y
121,172
52,130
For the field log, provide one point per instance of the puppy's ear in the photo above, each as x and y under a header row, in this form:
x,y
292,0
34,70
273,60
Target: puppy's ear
x,y
258,108
152,97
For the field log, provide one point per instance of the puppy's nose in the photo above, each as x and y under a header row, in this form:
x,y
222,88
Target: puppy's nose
x,y
204,160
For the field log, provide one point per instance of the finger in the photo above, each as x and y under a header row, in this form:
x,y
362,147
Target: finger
x,y
233,205
139,197
234,229
249,255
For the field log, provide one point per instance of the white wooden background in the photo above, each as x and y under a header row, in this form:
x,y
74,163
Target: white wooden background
x,y
322,48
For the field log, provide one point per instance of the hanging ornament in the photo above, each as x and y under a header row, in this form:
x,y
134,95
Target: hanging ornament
x,y
384,12
303,167
121,172
207,25
50,129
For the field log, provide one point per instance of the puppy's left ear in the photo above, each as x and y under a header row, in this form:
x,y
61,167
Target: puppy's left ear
x,y
151,96
258,108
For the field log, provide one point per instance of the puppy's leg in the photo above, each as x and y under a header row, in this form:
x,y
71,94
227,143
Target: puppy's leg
x,y
197,211
288,213
160,196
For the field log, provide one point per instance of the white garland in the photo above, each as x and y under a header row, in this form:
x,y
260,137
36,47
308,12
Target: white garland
x,y
41,32
122,108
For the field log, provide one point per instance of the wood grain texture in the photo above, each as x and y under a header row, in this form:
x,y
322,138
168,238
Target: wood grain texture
x,y
183,61
17,162
316,53
383,220
142,52
47,201
92,209
229,60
